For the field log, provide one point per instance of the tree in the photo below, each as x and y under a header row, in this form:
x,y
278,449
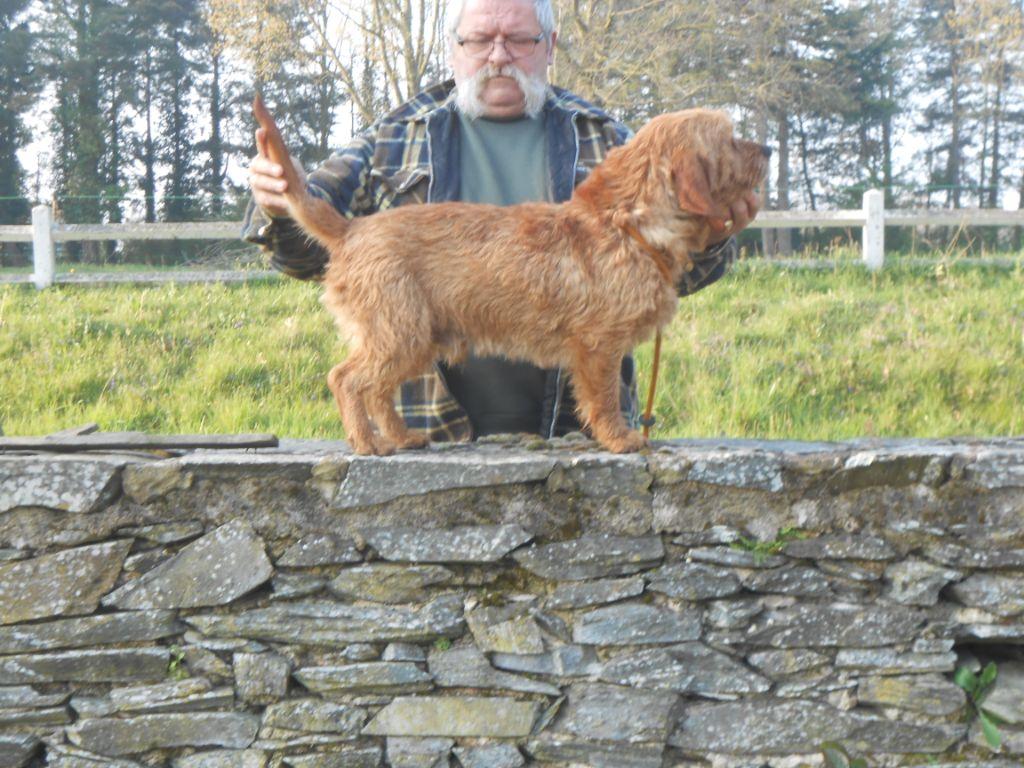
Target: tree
x,y
19,86
323,41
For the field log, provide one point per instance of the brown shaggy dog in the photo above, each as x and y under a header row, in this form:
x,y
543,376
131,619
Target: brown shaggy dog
x,y
577,284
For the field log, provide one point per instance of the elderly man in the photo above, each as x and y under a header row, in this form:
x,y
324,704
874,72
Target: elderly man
x,y
497,133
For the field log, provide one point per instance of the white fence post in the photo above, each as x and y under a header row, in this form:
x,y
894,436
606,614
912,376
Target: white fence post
x,y
42,246
873,241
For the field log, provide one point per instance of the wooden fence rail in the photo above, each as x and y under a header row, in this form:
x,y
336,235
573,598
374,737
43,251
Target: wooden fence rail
x,y
873,218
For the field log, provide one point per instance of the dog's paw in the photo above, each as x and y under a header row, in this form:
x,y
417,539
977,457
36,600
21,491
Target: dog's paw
x,y
373,446
413,442
383,446
630,442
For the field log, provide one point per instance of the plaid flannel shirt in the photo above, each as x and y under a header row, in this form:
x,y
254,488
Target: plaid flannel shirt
x,y
411,156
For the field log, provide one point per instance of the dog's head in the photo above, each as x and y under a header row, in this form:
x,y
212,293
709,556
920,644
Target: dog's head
x,y
709,167
686,167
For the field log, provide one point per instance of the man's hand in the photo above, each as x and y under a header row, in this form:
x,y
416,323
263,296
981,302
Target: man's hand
x,y
741,213
266,179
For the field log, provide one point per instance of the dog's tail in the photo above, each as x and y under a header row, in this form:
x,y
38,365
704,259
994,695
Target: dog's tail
x,y
316,216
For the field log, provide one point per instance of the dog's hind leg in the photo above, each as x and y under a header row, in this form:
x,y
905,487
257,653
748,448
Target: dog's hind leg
x,y
380,398
346,383
595,382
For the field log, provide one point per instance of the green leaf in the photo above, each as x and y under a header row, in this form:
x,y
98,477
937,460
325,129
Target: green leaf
x,y
860,762
835,755
992,716
966,679
988,676
992,735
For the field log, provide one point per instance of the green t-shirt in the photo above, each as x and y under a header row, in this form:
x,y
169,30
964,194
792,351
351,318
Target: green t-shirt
x,y
502,163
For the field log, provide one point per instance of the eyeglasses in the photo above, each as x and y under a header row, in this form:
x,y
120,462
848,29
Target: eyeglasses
x,y
516,47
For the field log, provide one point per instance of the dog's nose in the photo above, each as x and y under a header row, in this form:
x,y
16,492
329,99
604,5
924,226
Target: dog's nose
x,y
766,150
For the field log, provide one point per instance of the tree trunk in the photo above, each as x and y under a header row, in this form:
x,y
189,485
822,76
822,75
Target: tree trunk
x,y
768,242
805,167
785,236
887,150
149,149
215,183
953,158
997,119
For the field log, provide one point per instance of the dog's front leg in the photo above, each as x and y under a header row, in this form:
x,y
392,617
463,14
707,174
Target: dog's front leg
x,y
595,380
346,382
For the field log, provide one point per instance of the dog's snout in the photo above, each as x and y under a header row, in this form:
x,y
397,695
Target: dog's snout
x,y
766,150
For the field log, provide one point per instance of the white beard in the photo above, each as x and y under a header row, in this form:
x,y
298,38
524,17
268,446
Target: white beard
x,y
467,93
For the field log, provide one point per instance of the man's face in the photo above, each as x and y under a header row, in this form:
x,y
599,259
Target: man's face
x,y
501,97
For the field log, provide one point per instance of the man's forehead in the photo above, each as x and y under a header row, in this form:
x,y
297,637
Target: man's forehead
x,y
495,15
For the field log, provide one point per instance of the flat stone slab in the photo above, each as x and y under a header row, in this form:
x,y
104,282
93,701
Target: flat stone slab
x,y
369,677
587,593
841,624
355,757
982,555
454,716
685,668
116,737
407,752
592,557
313,716
505,629
738,468
1006,698
261,678
841,548
693,581
597,712
223,758
490,756
889,661
799,581
103,629
928,694
68,582
214,570
17,749
1003,595
563,661
995,467
388,582
799,727
468,668
191,694
569,750
333,624
103,666
636,624
917,582
457,544
320,549
375,481
69,483
26,697
778,664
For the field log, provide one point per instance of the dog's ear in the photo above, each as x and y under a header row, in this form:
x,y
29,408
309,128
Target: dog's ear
x,y
693,189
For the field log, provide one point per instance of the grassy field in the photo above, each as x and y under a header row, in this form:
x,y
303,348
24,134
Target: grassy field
x,y
766,353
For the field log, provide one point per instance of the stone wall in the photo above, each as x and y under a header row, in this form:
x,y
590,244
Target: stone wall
x,y
507,604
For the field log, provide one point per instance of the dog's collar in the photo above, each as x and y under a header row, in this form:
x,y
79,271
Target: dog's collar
x,y
660,258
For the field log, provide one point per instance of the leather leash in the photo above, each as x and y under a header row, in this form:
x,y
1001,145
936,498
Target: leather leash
x,y
647,420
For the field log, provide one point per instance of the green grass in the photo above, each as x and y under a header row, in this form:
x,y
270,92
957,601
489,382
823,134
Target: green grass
x,y
764,353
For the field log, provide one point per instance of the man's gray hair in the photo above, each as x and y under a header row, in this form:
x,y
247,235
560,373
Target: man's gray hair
x,y
543,9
